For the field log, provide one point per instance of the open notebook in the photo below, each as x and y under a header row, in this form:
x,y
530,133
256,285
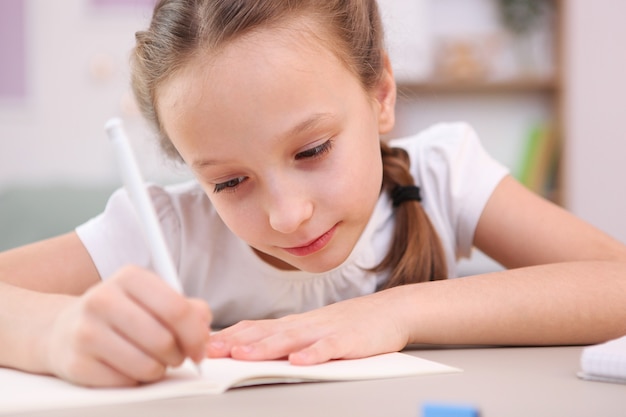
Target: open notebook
x,y
218,375
605,362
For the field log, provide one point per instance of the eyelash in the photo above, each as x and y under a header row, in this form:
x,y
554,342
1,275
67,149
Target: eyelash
x,y
230,185
315,152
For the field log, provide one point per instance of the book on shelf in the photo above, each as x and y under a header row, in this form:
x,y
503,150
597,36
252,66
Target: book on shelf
x,y
539,164
605,362
23,392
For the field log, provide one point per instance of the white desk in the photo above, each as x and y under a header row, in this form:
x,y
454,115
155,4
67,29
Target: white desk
x,y
500,382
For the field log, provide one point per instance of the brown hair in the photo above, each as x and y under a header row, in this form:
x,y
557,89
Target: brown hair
x,y
181,28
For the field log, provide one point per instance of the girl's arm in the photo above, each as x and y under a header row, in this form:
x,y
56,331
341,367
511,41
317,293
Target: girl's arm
x,y
57,317
57,265
568,286
518,228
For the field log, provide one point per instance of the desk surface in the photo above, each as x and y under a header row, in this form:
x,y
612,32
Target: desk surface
x,y
503,382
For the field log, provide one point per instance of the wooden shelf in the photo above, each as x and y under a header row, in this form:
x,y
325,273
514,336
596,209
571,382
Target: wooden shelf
x,y
547,85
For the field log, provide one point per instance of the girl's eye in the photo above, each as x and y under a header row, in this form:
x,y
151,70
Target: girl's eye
x,y
230,184
316,151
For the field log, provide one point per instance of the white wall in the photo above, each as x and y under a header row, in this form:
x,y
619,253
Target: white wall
x,y
595,112
78,78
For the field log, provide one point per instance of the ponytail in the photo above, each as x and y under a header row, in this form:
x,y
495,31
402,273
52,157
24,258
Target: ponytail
x,y
416,254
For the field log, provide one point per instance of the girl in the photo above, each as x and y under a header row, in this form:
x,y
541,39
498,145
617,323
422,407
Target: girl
x,y
300,216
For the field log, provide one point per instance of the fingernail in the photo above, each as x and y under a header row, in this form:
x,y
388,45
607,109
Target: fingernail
x,y
299,358
246,348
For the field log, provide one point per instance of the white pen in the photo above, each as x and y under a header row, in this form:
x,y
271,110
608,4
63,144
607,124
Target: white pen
x,y
136,189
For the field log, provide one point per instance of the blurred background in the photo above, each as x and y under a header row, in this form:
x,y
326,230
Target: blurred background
x,y
542,82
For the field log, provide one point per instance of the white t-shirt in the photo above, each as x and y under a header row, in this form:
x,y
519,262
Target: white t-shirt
x,y
456,177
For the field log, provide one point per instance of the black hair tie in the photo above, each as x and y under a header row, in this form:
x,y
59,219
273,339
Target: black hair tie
x,y
402,193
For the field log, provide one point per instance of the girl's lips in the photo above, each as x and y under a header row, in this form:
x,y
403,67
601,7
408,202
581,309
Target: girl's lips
x,y
315,246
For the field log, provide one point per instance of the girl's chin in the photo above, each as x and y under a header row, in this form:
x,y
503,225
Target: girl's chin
x,y
320,265
316,267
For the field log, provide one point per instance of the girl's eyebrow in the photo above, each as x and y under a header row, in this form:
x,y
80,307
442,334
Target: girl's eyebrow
x,y
308,124
304,126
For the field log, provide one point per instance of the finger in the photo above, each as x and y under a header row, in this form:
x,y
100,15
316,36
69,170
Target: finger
x,y
190,323
127,358
217,347
275,346
243,333
112,305
321,351
142,329
154,338
206,317
106,358
184,319
93,373
245,339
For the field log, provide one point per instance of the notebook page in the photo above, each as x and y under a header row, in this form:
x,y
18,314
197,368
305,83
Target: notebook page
x,y
605,361
19,389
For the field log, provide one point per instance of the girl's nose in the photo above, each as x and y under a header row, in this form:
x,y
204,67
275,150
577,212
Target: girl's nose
x,y
289,210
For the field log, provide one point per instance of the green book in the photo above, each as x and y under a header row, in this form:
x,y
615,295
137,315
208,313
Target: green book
x,y
539,159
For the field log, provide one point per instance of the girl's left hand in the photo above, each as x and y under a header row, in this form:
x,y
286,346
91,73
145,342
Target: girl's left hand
x,y
350,329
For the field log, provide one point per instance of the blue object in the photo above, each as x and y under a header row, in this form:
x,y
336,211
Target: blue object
x,y
448,410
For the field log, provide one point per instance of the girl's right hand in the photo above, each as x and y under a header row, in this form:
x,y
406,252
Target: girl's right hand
x,y
124,331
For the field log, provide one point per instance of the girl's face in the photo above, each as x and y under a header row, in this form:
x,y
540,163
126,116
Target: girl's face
x,y
285,142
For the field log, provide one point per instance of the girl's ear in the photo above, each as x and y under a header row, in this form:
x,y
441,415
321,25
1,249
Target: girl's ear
x,y
386,97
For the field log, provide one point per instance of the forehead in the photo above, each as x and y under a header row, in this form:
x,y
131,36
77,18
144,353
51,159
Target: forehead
x,y
286,65
302,35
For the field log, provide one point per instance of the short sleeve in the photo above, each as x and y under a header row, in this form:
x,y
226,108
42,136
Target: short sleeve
x,y
457,177
115,238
